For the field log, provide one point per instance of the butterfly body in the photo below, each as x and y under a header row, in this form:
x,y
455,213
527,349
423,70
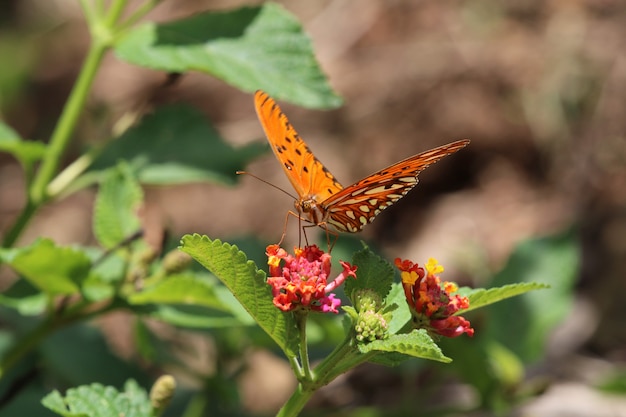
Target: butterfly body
x,y
321,198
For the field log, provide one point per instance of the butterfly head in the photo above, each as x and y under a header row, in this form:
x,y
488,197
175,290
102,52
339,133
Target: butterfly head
x,y
312,211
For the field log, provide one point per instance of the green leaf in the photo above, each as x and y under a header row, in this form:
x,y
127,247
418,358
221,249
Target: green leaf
x,y
250,48
195,318
175,145
247,284
401,315
96,400
53,269
185,288
523,324
27,152
481,297
417,344
373,272
25,298
117,205
80,354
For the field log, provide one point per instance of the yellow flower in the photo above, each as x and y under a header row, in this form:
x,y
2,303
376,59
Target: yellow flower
x,y
433,267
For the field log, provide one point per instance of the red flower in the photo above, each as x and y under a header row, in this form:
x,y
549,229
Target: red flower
x,y
432,301
301,282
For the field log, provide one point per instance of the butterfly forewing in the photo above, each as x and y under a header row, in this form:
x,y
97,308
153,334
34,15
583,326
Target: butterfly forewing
x,y
320,196
306,173
357,205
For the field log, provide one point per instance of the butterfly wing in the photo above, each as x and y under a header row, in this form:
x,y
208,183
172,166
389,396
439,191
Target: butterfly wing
x,y
306,173
353,207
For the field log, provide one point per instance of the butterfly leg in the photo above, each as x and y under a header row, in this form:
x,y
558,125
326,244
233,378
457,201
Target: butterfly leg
x,y
329,232
300,227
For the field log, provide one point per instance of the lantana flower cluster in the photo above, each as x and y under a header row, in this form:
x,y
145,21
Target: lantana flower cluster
x,y
431,301
302,281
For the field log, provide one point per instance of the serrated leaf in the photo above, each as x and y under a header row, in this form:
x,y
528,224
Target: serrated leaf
x,y
417,344
116,209
55,402
250,48
27,152
481,297
96,400
185,288
373,273
53,269
247,284
175,145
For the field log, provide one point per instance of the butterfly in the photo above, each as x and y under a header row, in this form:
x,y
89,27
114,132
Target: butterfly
x,y
321,198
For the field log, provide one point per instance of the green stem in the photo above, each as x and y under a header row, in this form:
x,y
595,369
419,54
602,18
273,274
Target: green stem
x,y
328,369
114,13
19,225
67,123
66,177
295,366
141,11
325,372
301,317
296,402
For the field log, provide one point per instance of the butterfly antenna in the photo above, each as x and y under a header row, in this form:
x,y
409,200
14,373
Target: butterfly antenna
x,y
266,182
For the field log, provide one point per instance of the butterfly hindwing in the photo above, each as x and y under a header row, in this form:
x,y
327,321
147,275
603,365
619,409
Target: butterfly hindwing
x,y
358,204
321,199
308,176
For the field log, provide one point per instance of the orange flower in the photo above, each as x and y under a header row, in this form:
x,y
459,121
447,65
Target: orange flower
x,y
431,301
302,281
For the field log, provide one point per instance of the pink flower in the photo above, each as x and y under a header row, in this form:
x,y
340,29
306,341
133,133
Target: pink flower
x,y
301,281
431,301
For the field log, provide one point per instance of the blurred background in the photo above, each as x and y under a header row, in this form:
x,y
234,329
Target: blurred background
x,y
538,86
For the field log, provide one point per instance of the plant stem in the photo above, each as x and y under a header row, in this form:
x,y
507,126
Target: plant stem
x,y
21,222
67,123
296,402
141,11
301,317
62,133
335,364
114,13
327,370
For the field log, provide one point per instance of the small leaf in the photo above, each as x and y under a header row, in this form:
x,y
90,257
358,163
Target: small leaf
x,y
174,145
96,400
247,284
53,269
250,48
374,273
417,344
117,205
27,152
481,297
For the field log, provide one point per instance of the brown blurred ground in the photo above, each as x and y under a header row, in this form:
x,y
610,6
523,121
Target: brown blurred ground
x,y
539,87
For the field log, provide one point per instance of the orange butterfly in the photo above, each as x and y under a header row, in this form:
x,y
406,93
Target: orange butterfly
x,y
321,199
